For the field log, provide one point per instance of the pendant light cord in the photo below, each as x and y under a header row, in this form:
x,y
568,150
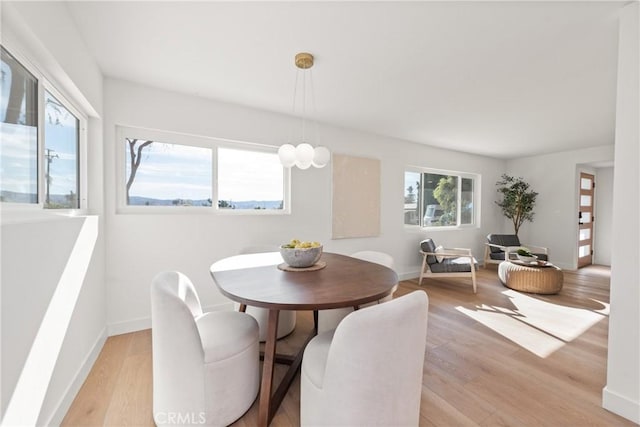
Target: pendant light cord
x,y
293,105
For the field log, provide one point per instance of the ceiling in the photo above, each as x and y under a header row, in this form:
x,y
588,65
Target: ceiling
x,y
502,79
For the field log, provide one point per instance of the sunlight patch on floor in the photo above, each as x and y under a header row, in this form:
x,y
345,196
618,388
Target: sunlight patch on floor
x,y
537,324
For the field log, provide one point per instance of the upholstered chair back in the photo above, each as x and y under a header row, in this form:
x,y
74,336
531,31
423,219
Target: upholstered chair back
x,y
427,245
205,365
502,240
178,356
370,371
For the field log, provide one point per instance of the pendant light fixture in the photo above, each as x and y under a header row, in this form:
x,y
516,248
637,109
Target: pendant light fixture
x,y
304,154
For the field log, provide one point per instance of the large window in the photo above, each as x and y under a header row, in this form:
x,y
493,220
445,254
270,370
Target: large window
x,y
437,199
40,133
169,170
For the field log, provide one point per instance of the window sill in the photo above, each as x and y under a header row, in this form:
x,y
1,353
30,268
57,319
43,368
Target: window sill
x,y
23,215
197,210
420,229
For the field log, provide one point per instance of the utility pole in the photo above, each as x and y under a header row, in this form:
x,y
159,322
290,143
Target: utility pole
x,y
49,158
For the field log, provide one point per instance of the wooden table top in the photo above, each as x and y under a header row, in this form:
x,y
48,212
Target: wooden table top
x,y
254,279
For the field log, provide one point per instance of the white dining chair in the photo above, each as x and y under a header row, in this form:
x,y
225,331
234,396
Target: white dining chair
x,y
368,372
286,318
329,319
205,365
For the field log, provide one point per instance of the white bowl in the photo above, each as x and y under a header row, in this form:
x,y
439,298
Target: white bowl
x,y
528,259
301,257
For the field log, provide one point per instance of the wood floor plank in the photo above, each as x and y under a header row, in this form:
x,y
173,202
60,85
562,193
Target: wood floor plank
x,y
141,343
475,373
462,400
89,408
131,401
436,411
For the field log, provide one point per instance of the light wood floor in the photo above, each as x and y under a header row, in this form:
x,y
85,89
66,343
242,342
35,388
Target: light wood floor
x,y
497,358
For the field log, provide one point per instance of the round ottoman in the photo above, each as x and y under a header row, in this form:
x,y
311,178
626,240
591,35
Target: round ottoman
x,y
545,279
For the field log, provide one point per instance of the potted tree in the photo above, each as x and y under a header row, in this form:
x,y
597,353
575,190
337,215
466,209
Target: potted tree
x,y
518,200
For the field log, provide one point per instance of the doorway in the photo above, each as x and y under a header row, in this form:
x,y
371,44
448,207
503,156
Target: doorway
x,y
585,219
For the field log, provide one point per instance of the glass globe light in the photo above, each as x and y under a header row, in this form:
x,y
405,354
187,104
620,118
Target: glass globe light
x,y
303,165
321,157
287,155
304,153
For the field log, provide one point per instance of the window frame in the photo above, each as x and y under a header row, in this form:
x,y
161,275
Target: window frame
x,y
213,143
477,185
46,84
81,154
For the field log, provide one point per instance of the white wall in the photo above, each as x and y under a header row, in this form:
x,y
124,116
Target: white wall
x,y
140,245
604,216
53,310
555,178
622,392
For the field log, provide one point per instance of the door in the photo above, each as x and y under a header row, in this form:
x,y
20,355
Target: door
x,y
585,220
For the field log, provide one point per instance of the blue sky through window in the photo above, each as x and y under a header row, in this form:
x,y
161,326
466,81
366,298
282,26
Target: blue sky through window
x,y
171,172
61,153
245,175
411,179
181,175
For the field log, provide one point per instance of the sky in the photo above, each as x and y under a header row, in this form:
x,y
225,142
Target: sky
x,y
61,137
410,179
18,154
238,180
172,171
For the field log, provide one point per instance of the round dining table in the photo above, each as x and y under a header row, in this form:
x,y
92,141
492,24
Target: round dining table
x,y
262,280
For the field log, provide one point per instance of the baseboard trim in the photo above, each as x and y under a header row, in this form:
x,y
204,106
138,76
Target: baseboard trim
x,y
127,326
74,386
620,405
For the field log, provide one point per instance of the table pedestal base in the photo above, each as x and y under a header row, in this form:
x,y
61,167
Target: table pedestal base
x,y
269,403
